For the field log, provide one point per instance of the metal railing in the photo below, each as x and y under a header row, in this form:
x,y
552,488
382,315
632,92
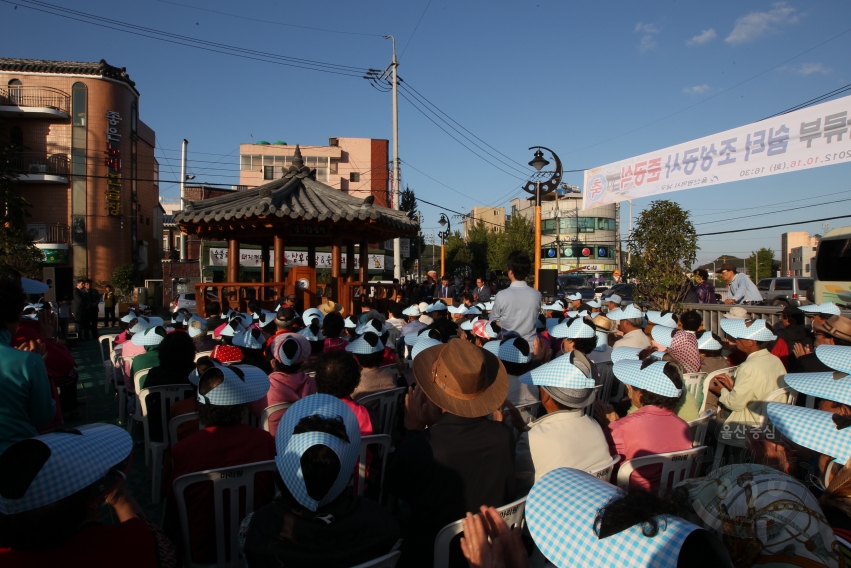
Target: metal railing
x,y
39,163
33,96
712,314
49,233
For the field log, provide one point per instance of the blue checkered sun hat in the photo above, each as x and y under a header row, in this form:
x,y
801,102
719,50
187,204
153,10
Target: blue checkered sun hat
x,y
557,306
631,311
150,337
747,329
473,311
488,306
423,342
460,310
837,357
31,286
510,350
667,319
36,308
413,310
313,332
265,317
73,461
366,344
625,354
540,322
438,306
706,342
559,373
577,313
663,335
242,384
143,323
595,303
465,325
811,428
131,315
290,447
615,314
351,322
652,378
412,338
573,329
312,314
829,386
195,378
233,328
178,317
250,339
372,325
573,297
552,322
196,326
290,348
561,510
824,308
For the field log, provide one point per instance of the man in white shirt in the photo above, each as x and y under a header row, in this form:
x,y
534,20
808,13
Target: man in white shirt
x,y
517,307
631,324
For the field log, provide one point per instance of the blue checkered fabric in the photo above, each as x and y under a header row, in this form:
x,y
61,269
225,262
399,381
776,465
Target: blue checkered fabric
x,y
811,428
178,317
595,303
75,462
560,513
422,343
821,385
370,326
131,315
488,306
35,307
227,312
464,326
577,314
552,322
540,322
473,311
558,306
824,308
663,335
412,311
242,384
361,346
631,311
249,341
233,328
652,378
739,329
291,447
195,378
572,329
144,323
150,337
505,350
837,357
301,353
615,314
574,296
559,373
708,343
351,322
31,286
436,307
310,335
625,354
412,338
460,310
658,318
265,317
311,314
196,326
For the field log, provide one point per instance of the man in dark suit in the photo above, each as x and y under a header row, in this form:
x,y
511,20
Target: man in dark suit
x,y
445,290
94,300
481,293
80,309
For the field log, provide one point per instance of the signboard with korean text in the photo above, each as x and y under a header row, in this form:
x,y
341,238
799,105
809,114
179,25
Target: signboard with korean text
x,y
807,138
405,247
113,164
251,258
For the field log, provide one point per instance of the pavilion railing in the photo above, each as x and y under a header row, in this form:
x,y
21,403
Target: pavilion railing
x,y
712,314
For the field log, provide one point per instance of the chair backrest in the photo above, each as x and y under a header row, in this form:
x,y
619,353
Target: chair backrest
x,y
701,400
693,382
139,375
386,561
383,440
604,471
169,394
110,344
700,425
785,395
267,413
231,479
202,354
607,377
387,402
676,467
512,514
175,423
528,411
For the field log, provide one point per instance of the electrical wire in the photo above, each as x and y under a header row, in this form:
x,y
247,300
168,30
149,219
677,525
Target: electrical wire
x,y
721,221
810,102
723,211
415,29
774,226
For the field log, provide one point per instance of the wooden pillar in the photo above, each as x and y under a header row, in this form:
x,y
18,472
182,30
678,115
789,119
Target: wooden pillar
x,y
233,260
311,255
336,257
279,258
350,261
264,261
364,260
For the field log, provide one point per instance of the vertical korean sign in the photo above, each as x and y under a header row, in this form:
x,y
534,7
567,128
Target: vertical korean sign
x,y
808,138
113,164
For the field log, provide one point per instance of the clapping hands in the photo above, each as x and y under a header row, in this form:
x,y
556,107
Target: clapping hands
x,y
504,549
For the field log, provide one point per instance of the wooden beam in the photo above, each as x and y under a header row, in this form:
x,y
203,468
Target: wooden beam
x,y
233,260
279,258
350,261
264,261
364,260
311,255
336,257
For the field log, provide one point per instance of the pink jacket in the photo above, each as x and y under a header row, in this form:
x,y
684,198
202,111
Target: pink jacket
x,y
285,388
649,430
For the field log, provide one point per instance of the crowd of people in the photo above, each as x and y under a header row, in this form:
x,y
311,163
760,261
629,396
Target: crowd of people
x,y
506,397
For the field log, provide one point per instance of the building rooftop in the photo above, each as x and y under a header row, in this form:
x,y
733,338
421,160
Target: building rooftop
x,y
98,69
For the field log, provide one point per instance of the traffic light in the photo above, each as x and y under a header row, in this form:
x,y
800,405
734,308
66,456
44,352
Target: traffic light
x,y
602,252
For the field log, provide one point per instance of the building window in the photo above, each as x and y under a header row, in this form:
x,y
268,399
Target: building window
x,y
354,177
16,93
16,138
78,104
250,162
495,213
268,172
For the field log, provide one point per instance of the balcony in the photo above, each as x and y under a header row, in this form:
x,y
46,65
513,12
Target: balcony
x,y
36,167
33,101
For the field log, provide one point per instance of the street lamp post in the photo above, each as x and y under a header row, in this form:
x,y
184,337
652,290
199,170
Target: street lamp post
x,y
444,222
538,162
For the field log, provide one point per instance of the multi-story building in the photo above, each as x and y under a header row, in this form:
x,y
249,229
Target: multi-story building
x,y
803,260
494,218
358,166
86,164
586,240
789,241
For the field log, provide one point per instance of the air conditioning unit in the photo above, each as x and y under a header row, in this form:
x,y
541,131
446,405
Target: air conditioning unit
x,y
38,168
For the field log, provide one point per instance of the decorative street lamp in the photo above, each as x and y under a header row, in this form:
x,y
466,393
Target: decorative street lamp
x,y
538,188
444,222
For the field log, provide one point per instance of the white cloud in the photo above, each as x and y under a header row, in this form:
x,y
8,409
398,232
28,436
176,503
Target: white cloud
x,y
696,90
757,24
647,43
810,68
646,28
703,37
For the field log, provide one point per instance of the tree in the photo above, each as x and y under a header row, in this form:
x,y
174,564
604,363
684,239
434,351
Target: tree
x,y
663,247
760,264
408,202
124,277
478,241
518,235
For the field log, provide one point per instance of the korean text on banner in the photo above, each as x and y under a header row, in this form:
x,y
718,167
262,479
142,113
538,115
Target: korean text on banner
x,y
808,138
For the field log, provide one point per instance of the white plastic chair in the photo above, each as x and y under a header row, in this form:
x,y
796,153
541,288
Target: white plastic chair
x,y
701,402
386,561
177,422
267,413
169,394
231,479
202,354
512,514
700,426
693,382
607,377
383,440
388,400
137,414
528,411
138,376
108,366
604,471
676,467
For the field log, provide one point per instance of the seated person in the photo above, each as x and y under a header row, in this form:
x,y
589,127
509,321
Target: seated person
x,y
369,353
288,383
564,436
227,352
516,357
214,314
654,387
177,361
224,393
602,353
680,345
332,328
338,374
150,340
577,334
313,333
316,521
631,322
252,342
47,523
836,330
414,324
441,323
197,328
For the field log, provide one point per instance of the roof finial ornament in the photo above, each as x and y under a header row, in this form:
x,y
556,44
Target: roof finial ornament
x,y
297,168
298,161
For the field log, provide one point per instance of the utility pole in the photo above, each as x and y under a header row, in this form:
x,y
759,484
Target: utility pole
x,y
397,253
629,252
537,231
618,235
183,255
419,247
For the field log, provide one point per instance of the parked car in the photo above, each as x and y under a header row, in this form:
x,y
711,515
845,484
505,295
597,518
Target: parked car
x,y
598,291
570,284
188,301
788,291
625,291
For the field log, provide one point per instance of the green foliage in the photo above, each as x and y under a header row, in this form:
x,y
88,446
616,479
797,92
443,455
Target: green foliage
x,y
518,235
760,264
663,247
408,202
124,277
323,276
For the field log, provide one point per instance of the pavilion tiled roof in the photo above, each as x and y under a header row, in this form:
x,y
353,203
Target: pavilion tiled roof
x,y
100,68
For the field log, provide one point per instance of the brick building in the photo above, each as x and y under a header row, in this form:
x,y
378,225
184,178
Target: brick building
x,y
86,163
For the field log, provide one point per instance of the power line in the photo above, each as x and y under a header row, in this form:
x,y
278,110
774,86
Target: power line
x,y
775,226
723,211
441,183
813,101
415,29
721,221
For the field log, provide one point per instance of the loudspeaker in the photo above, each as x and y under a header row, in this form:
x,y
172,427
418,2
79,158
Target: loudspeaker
x,y
547,282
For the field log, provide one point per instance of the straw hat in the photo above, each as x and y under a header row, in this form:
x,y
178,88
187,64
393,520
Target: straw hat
x,y
837,326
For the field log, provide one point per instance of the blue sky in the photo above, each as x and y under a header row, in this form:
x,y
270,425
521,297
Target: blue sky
x,y
595,81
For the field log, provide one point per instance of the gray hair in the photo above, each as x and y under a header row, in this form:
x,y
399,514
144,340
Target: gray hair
x,y
636,322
